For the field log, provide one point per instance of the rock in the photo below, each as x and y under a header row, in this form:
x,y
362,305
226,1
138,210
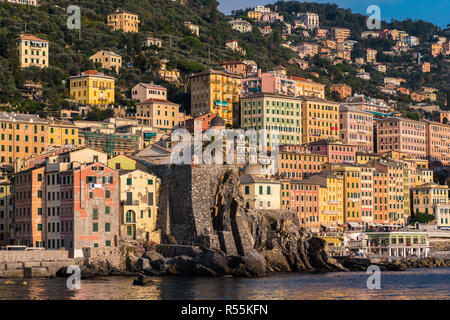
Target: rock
x,y
142,281
142,264
255,262
152,255
214,260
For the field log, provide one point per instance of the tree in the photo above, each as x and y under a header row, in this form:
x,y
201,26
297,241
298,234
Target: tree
x,y
185,69
423,217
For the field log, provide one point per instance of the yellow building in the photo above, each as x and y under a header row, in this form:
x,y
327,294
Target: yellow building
x,y
93,88
21,136
331,212
352,190
6,206
216,92
259,192
139,206
63,133
320,119
273,112
257,15
172,76
123,20
426,197
122,162
32,51
364,158
371,55
158,113
109,60
307,87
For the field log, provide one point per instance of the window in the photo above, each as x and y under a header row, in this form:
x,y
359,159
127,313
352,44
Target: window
x,y
150,181
95,214
247,189
95,228
107,194
107,227
107,210
260,190
39,211
129,181
150,199
108,243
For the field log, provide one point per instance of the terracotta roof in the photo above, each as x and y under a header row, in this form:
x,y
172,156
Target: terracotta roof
x,y
151,100
29,36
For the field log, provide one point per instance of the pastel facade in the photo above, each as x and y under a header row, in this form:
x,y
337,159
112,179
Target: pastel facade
x,y
92,88
427,196
339,34
356,128
299,165
260,193
158,113
273,112
343,90
403,135
320,120
145,91
240,25
215,91
32,51
138,210
305,199
151,41
6,208
21,136
438,143
63,133
123,20
108,60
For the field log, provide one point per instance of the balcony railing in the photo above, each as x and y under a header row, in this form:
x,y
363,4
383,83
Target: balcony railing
x,y
129,202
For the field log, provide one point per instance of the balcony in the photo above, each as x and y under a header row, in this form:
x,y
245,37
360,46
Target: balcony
x,y
129,202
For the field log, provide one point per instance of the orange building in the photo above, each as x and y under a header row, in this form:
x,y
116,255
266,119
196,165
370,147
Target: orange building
x,y
425,67
305,199
438,143
123,20
343,90
21,135
298,164
380,197
29,189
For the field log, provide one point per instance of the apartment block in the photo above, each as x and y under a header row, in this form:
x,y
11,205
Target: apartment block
x,y
145,91
215,91
21,135
32,51
275,113
402,135
158,113
320,119
356,128
63,133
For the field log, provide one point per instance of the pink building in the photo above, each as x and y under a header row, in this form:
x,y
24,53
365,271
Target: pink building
x,y
336,151
438,143
305,199
367,195
402,135
356,128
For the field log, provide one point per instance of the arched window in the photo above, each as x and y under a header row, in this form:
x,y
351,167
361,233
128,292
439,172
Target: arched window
x,y
130,216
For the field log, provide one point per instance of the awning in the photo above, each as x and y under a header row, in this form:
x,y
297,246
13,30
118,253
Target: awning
x,y
354,224
370,224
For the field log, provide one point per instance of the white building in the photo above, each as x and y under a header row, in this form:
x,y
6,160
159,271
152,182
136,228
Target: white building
x,y
309,20
240,25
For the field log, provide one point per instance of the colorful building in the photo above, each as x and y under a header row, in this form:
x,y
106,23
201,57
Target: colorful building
x,y
275,113
438,143
21,135
259,192
33,51
305,200
331,212
336,151
158,113
108,60
294,164
123,20
63,133
343,90
92,88
139,206
215,91
403,135
6,205
320,119
356,128
427,196
89,208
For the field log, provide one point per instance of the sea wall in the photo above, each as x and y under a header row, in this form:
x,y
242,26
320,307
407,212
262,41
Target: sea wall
x,y
30,264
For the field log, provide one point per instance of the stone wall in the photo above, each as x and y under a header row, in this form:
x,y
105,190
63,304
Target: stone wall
x,y
30,264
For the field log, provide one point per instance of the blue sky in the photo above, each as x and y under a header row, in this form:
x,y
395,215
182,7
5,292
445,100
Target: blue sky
x,y
435,11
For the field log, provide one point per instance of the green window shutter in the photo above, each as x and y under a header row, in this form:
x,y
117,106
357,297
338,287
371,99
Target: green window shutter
x,y
129,181
95,214
95,227
107,210
107,227
247,189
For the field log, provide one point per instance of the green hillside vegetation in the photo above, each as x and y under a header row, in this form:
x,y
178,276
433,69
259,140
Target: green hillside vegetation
x,y
70,49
